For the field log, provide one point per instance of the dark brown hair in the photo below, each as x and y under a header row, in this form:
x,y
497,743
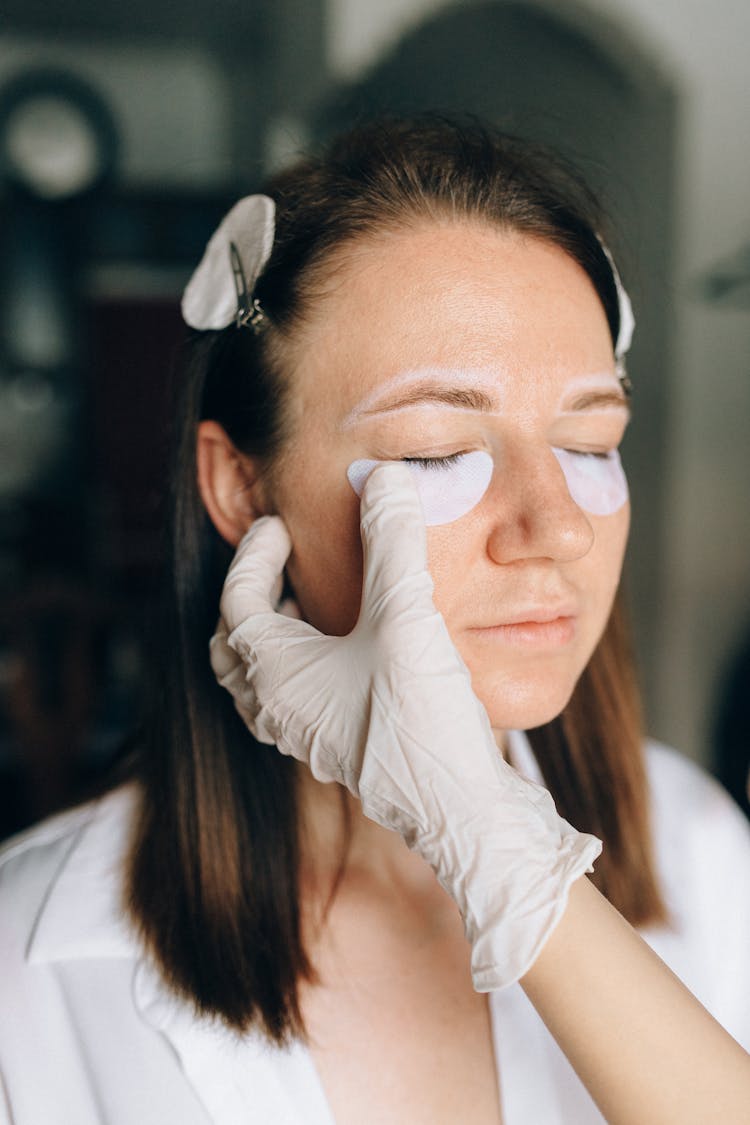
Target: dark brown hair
x,y
214,871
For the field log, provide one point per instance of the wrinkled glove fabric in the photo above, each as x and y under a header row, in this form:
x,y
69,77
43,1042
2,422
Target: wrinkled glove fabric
x,y
389,712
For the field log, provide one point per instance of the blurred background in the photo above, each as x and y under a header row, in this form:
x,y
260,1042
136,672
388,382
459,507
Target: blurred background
x,y
127,130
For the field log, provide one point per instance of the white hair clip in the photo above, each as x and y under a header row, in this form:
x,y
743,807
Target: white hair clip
x,y
220,291
627,323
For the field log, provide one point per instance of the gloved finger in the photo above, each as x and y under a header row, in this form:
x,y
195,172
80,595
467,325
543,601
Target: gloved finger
x,y
254,574
231,674
393,533
223,658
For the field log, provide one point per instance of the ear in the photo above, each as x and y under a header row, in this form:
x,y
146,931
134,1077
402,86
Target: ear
x,y
228,481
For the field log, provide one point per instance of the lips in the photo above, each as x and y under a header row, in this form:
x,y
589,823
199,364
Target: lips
x,y
533,615
533,627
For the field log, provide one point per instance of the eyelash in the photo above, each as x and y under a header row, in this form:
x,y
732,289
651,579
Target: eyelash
x,y
433,462
605,456
451,459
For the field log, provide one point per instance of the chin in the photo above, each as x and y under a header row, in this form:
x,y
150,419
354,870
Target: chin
x,y
522,703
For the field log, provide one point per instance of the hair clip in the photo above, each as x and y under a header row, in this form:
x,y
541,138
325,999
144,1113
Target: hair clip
x,y
623,378
220,291
248,311
627,324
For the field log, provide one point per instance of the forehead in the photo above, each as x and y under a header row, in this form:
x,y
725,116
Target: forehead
x,y
448,295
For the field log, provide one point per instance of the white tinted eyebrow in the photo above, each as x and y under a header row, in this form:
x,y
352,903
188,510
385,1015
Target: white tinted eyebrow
x,y
457,390
595,391
460,398
598,400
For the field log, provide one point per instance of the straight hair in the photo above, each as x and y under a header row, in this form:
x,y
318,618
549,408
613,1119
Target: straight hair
x,y
213,882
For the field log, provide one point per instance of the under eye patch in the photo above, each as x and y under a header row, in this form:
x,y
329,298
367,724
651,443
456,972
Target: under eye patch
x,y
597,483
448,488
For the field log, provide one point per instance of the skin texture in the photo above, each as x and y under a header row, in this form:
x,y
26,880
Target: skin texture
x,y
471,308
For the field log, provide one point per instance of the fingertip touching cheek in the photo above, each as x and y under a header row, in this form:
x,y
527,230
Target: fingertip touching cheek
x,y
450,487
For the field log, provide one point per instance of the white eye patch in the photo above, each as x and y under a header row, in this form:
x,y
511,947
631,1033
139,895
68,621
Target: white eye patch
x,y
596,483
448,487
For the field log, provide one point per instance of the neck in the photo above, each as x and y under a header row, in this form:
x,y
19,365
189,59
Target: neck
x,y
334,828
339,842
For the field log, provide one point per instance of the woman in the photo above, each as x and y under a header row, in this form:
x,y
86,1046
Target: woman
x,y
437,295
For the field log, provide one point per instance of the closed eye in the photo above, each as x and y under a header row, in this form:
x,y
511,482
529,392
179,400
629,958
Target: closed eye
x,y
434,462
600,455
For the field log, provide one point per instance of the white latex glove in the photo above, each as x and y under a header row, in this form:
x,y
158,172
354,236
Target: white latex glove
x,y
389,712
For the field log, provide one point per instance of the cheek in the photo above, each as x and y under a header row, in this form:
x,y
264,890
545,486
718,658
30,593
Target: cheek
x,y
610,544
455,556
325,566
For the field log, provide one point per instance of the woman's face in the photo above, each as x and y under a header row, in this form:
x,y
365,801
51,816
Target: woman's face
x,y
445,339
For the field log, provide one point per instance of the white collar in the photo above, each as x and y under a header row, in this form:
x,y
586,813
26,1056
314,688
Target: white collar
x,y
83,913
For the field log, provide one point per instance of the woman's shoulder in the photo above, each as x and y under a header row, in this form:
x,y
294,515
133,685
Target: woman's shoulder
x,y
30,861
702,852
689,802
65,854
701,836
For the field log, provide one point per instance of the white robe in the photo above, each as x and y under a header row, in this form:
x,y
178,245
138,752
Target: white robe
x,y
89,1036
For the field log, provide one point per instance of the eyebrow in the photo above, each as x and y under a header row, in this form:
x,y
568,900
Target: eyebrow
x,y
472,398
598,400
460,398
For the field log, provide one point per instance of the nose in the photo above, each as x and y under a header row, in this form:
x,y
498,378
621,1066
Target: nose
x,y
532,512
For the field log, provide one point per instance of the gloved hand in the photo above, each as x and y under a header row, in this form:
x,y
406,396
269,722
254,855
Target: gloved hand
x,y
389,712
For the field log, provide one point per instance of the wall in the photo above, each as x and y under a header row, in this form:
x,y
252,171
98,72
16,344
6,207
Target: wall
x,y
703,48
170,102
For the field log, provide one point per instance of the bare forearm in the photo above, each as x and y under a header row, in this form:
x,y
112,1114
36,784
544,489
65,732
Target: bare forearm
x,y
639,1040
